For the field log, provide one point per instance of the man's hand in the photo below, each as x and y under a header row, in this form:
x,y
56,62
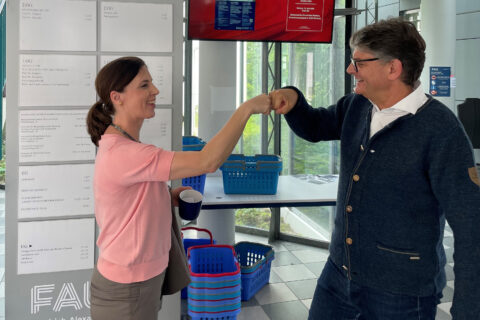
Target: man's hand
x,y
283,100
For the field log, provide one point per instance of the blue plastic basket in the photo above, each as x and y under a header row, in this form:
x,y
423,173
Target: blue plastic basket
x,y
255,263
251,175
215,290
192,143
188,242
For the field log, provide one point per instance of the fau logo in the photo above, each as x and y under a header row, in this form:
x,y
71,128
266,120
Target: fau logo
x,y
42,296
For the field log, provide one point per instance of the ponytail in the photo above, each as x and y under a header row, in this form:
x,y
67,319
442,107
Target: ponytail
x,y
98,119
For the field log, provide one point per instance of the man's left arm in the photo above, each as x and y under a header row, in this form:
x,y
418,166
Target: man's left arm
x,y
456,186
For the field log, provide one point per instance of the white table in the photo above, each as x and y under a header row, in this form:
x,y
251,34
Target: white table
x,y
217,207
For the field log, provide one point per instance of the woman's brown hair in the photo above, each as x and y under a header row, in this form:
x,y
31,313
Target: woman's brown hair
x,y
114,76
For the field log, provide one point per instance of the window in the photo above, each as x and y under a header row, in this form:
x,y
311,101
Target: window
x,y
318,70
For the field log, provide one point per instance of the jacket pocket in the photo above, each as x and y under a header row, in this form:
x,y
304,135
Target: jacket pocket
x,y
410,254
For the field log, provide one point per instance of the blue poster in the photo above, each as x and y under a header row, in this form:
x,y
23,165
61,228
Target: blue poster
x,y
440,81
234,15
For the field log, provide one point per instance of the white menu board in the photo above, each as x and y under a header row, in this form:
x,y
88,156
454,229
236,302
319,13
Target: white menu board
x,y
57,245
136,27
160,69
58,25
54,135
57,80
55,190
158,130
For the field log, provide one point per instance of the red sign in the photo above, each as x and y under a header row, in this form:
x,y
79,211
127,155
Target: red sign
x,y
274,20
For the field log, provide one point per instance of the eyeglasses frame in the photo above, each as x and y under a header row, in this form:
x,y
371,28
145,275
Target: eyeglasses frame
x,y
354,62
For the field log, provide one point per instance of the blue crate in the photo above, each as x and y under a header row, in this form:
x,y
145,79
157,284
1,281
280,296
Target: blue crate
x,y
215,290
251,175
192,143
255,263
197,182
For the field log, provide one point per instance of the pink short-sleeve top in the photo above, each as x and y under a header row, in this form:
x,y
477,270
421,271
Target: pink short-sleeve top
x,y
132,209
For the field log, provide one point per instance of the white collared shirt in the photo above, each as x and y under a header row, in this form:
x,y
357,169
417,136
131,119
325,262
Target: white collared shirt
x,y
409,104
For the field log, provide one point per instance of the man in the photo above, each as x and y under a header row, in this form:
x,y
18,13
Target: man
x,y
406,165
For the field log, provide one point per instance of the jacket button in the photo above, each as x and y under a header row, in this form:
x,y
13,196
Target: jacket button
x,y
356,177
345,267
349,209
349,241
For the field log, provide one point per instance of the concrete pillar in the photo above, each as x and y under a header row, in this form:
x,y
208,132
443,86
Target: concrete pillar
x,y
217,102
438,28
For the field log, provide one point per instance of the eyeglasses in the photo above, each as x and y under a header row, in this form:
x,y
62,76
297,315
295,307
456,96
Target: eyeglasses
x,y
354,62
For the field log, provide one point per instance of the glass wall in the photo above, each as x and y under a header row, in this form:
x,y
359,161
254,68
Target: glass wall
x,y
318,70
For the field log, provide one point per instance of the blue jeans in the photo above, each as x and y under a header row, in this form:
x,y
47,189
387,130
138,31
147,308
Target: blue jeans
x,y
337,298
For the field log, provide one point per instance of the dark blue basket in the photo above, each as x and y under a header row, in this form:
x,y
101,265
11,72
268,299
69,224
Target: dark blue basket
x,y
251,175
255,263
192,143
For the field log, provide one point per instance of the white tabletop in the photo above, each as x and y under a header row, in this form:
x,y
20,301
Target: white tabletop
x,y
307,190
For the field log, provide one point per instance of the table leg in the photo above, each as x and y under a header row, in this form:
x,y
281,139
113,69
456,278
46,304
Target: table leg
x,y
221,223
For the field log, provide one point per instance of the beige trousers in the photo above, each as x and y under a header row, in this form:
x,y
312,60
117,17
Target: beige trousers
x,y
125,301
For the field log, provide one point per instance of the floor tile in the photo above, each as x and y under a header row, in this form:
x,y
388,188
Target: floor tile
x,y
296,246
307,256
252,302
278,246
294,273
316,267
248,237
250,313
451,283
285,258
303,289
274,278
274,293
449,254
286,311
449,272
447,294
307,303
443,311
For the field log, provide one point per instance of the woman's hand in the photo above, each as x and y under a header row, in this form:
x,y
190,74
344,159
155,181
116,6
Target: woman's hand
x,y
175,193
258,104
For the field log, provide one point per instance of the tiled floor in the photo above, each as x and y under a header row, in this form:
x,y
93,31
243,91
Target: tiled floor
x,y
293,278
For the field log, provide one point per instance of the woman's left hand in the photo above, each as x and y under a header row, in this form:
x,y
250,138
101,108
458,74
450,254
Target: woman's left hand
x,y
176,192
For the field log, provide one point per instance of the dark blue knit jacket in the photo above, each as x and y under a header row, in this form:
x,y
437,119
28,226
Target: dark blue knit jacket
x,y
395,191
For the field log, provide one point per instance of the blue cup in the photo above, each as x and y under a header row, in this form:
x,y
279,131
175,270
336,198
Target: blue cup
x,y
189,204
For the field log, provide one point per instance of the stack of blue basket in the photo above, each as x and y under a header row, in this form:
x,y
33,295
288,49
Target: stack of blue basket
x,y
215,290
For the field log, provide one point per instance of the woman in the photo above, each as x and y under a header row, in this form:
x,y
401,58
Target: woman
x,y
132,198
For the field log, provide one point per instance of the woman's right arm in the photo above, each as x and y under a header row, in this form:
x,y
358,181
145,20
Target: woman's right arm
x,y
216,151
